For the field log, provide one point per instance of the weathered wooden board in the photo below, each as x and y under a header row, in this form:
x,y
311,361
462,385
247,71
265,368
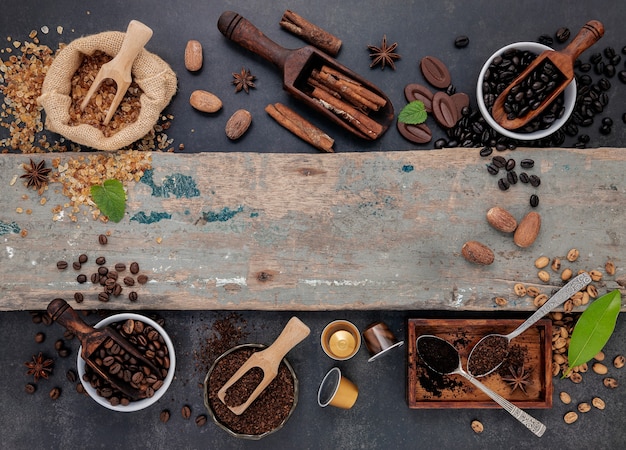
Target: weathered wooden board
x,y
318,232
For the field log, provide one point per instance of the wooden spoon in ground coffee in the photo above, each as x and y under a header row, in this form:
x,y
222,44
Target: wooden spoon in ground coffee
x,y
561,61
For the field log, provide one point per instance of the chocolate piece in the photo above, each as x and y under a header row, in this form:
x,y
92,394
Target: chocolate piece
x,y
461,100
418,134
444,110
435,72
419,92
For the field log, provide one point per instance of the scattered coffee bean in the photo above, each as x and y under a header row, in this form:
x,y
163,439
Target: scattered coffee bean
x,y
132,296
101,260
30,388
493,170
55,393
103,240
134,268
82,278
511,177
71,375
498,161
103,297
545,39
570,417
142,279
78,297
610,382
584,407
477,426
534,201
562,34
103,271
565,398
486,151
534,180
95,278
440,143
76,265
527,163
40,337
117,289
83,259
622,76
120,267
619,361
62,265
186,412
510,164
461,42
598,403
129,281
201,420
503,184
524,178
112,275
164,416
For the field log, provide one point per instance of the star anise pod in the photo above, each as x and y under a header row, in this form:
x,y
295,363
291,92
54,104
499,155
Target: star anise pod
x,y
519,378
243,80
39,367
36,174
384,55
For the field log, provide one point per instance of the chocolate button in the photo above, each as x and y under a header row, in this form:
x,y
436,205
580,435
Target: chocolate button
x,y
435,72
461,100
418,134
444,110
419,92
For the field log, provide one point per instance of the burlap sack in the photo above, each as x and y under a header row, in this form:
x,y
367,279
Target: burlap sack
x,y
153,75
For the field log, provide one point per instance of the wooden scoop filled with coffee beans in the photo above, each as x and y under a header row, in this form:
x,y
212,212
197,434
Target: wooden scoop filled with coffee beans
x,y
92,339
542,81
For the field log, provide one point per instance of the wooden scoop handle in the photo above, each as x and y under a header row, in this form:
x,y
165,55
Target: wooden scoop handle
x,y
137,36
62,313
588,35
240,30
293,333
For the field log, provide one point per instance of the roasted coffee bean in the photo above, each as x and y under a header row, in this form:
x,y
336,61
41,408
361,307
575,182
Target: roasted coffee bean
x,y
622,76
71,376
498,161
440,143
527,163
562,34
585,67
55,393
81,278
142,279
545,39
609,70
461,42
584,138
503,184
501,147
134,268
120,267
112,275
129,281
164,416
511,177
78,297
117,289
510,164
523,177
40,337
76,265
132,296
201,420
486,151
605,130
62,265
95,278
110,282
101,260
83,258
103,240
493,170
103,271
185,412
103,297
595,58
30,388
64,352
534,180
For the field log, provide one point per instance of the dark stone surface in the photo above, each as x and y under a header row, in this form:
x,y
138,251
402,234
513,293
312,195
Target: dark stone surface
x,y
380,418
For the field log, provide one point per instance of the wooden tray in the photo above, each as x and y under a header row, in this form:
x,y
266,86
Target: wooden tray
x,y
428,390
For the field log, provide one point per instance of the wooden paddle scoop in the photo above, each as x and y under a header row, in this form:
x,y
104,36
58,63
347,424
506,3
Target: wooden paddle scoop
x,y
119,69
562,61
268,360
92,339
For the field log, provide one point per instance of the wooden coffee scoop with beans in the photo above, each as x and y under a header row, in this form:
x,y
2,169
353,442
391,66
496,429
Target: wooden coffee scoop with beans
x,y
92,339
558,62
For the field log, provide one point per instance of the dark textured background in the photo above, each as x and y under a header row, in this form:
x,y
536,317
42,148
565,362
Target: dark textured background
x,y
380,418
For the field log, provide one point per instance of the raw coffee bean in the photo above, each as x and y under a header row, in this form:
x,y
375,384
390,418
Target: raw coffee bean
x,y
598,403
82,278
83,259
134,268
461,41
120,267
30,388
562,34
40,337
142,279
201,420
610,382
503,184
584,407
164,416
527,163
477,426
103,240
186,412
62,265
534,201
542,262
435,72
486,151
55,393
101,260
76,265
78,297
600,368
565,398
570,417
619,361
132,296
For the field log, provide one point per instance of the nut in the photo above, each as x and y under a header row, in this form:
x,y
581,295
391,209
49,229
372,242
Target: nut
x,y
570,417
477,253
565,398
238,124
610,382
597,402
520,290
193,56
542,262
572,255
584,407
619,361
566,274
477,426
600,368
500,301
501,220
527,230
205,101
543,276
556,264
609,268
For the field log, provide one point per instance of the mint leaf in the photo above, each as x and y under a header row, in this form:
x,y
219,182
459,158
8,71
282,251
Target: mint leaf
x,y
110,198
413,114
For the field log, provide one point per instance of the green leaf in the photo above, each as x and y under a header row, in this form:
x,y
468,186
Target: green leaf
x,y
593,329
413,113
110,198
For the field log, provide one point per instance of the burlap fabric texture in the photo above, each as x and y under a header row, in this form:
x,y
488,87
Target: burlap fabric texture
x,y
153,75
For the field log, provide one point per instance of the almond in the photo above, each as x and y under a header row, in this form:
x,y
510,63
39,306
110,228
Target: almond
x,y
527,230
238,124
477,253
193,56
501,219
205,101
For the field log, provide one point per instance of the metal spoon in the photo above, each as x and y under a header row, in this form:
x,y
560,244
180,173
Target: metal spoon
x,y
446,361
486,344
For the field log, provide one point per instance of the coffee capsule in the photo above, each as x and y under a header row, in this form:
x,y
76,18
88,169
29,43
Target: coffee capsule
x,y
340,340
336,390
379,340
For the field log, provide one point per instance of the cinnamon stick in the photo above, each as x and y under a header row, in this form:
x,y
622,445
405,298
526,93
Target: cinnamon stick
x,y
344,89
353,116
301,127
358,87
310,33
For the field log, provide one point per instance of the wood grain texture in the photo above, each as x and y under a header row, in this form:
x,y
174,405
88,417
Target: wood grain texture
x,y
318,232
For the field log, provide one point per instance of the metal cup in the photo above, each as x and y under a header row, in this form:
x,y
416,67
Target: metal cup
x,y
379,340
336,390
341,340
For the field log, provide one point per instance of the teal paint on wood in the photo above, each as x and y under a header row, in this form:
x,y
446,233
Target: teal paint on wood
x,y
154,217
221,216
6,228
178,185
407,168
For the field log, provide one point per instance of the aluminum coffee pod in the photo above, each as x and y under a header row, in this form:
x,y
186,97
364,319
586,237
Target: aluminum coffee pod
x,y
340,340
336,390
379,340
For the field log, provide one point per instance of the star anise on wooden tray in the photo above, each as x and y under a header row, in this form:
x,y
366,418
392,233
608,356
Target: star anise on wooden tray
x,y
244,80
384,55
39,367
519,379
36,174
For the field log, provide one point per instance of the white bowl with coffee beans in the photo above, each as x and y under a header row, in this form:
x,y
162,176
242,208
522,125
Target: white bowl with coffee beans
x,y
510,61
153,342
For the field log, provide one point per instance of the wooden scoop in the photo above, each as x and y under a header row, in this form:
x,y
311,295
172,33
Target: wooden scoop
x,y
119,69
92,339
563,60
268,360
298,65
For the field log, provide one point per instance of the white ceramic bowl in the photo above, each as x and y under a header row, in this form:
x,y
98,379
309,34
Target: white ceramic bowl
x,y
570,96
139,404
